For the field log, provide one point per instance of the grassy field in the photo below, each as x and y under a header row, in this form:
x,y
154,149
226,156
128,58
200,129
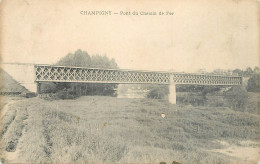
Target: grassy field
x,y
96,129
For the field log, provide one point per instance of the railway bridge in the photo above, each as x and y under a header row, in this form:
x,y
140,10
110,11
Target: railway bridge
x,y
51,73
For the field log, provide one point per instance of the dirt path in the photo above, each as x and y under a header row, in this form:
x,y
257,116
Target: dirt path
x,y
248,152
4,110
13,157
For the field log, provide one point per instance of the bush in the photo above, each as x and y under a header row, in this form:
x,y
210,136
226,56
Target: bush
x,y
216,101
209,89
189,88
48,87
66,94
30,95
102,89
158,92
237,98
191,99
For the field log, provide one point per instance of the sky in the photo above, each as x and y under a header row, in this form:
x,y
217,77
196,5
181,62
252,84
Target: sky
x,y
199,35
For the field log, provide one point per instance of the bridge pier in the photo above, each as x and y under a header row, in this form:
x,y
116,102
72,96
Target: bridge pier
x,y
38,90
172,91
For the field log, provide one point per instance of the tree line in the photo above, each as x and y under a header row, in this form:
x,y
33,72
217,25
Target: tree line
x,y
81,58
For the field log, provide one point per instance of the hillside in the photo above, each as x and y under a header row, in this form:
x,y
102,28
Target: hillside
x,y
9,85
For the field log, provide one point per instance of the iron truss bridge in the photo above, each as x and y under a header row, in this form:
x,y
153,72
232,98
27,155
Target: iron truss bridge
x,y
49,73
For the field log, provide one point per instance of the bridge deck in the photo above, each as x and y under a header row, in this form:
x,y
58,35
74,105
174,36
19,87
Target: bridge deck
x,y
48,73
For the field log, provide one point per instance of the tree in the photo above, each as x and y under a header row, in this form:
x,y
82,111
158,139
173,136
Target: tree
x,y
248,72
98,61
256,70
78,59
202,71
253,84
237,72
219,71
82,59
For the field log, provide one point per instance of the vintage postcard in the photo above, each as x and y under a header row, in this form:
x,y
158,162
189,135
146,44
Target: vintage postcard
x,y
130,81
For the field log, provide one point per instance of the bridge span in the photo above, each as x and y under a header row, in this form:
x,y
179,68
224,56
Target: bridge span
x,y
51,73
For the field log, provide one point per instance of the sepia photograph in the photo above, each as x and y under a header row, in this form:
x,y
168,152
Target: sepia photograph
x,y
130,81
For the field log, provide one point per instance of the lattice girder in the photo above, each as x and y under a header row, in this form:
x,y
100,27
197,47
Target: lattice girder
x,y
48,73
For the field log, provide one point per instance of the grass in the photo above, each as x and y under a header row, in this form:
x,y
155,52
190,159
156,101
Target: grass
x,y
253,105
96,129
12,127
7,120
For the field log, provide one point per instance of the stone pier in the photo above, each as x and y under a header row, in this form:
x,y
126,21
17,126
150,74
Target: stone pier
x,y
172,91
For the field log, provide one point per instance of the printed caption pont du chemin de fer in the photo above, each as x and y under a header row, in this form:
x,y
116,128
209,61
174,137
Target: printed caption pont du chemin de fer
x,y
127,13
